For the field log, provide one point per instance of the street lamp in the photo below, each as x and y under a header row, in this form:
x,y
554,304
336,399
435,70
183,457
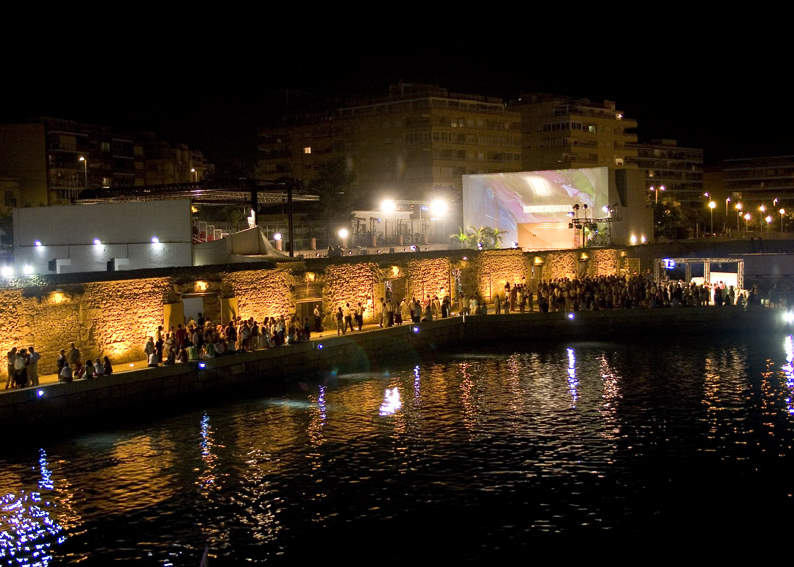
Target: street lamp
x,y
725,224
738,206
712,204
656,191
782,214
343,233
85,169
387,207
195,173
747,217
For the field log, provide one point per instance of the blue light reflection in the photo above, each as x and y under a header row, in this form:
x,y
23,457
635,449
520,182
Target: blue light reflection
x,y
573,382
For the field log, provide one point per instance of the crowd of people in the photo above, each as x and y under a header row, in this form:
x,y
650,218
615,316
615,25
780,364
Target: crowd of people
x,y
202,339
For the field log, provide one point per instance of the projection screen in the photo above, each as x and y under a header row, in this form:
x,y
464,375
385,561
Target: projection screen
x,y
532,206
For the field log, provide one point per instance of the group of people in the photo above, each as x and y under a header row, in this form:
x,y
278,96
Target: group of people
x,y
23,367
389,312
71,366
201,339
616,292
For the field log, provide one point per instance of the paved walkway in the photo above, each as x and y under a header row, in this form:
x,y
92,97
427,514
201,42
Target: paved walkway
x,y
123,367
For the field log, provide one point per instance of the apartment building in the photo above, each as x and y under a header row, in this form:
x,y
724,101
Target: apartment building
x,y
417,141
760,179
677,169
560,132
52,160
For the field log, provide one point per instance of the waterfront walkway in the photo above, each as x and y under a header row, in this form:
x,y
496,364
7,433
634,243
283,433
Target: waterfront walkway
x,y
124,367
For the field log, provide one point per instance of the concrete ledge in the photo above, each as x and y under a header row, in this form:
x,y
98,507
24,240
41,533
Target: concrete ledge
x,y
55,403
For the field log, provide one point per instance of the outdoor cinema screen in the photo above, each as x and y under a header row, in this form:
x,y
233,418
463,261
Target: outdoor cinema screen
x,y
532,206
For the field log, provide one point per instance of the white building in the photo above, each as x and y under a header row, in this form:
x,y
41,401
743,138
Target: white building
x,y
96,238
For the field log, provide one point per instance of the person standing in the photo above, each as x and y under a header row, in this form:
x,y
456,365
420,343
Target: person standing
x,y
12,356
33,367
340,325
74,355
389,313
381,312
318,327
348,318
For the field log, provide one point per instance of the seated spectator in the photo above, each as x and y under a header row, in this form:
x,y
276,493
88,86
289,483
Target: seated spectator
x,y
107,367
153,362
65,375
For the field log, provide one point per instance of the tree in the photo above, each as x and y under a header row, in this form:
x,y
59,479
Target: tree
x,y
334,185
461,237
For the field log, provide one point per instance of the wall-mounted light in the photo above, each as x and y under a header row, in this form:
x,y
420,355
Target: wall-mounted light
x,y
97,242
7,272
27,270
155,240
538,260
37,243
310,276
201,286
277,236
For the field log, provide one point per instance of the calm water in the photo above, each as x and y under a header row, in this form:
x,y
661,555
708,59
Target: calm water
x,y
473,456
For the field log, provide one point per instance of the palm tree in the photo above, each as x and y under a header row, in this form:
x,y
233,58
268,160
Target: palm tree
x,y
477,236
461,237
493,237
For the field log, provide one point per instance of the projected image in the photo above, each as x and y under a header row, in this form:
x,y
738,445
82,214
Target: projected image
x,y
532,206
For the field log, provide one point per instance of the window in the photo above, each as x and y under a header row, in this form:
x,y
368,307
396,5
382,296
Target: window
x,y
307,150
591,128
104,146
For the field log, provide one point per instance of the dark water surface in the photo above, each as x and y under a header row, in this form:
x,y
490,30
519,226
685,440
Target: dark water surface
x,y
476,455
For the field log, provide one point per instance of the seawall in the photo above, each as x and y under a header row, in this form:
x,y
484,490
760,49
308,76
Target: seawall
x,y
157,387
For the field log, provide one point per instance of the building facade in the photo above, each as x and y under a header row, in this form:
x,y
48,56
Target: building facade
x,y
415,143
760,179
560,132
675,171
53,160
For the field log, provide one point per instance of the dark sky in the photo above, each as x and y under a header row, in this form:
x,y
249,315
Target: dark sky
x,y
728,96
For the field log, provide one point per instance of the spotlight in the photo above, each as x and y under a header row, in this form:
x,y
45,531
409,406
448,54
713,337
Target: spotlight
x,y
155,240
39,393
97,242
571,316
37,243
320,346
202,364
415,329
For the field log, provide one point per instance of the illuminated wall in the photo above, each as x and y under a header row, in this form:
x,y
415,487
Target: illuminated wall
x,y
262,293
427,276
604,262
350,283
497,267
561,265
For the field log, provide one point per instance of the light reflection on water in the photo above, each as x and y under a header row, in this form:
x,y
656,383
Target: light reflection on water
x,y
495,446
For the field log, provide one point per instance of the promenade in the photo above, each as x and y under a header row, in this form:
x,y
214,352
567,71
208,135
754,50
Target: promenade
x,y
138,390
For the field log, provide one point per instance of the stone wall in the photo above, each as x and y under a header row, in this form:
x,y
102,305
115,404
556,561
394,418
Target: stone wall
x,y
561,265
350,283
604,262
427,277
117,317
495,268
262,293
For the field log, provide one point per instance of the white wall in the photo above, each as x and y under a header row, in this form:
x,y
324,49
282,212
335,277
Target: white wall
x,y
125,231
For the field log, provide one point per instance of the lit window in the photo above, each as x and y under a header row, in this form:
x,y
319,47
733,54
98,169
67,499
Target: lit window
x,y
307,150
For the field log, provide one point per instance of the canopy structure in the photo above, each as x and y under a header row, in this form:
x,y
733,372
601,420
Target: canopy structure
x,y
250,245
666,263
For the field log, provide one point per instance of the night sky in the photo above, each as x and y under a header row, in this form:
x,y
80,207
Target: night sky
x,y
727,97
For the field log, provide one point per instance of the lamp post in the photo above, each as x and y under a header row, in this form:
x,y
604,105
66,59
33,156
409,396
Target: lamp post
x,y
343,233
738,207
387,207
712,204
725,224
762,208
747,217
656,192
85,169
195,174
782,214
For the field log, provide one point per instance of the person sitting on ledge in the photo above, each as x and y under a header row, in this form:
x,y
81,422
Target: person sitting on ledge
x,y
108,368
153,360
99,369
65,375
88,370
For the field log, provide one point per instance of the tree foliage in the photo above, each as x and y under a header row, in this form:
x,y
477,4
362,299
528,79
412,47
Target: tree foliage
x,y
481,237
333,183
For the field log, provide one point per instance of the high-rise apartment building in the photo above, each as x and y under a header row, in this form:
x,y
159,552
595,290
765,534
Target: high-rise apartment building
x,y
52,160
561,132
760,179
675,171
414,143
